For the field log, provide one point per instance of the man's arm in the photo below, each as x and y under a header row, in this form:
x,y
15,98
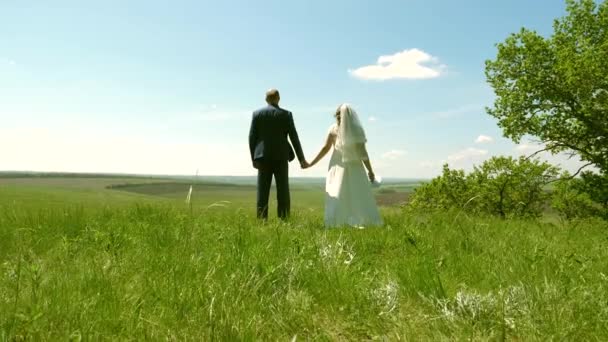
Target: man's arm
x,y
295,140
329,142
253,136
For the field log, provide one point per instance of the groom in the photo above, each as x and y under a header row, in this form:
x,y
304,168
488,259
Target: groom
x,y
271,152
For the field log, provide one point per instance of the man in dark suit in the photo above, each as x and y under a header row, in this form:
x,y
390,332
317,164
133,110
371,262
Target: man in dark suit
x,y
271,152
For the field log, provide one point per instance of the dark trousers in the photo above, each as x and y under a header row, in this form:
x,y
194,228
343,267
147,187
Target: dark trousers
x,y
280,171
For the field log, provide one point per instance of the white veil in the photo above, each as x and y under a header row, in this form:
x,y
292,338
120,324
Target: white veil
x,y
351,135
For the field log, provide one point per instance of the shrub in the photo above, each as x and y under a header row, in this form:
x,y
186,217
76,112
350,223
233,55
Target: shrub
x,y
580,197
501,186
513,187
450,190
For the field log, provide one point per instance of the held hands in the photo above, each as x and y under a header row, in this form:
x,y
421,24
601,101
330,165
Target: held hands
x,y
304,164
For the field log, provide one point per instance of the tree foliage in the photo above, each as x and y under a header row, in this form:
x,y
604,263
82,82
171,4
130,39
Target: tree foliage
x,y
453,189
570,202
596,185
501,186
556,88
513,187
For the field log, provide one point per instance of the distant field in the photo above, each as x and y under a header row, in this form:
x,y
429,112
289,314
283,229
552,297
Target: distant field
x,y
58,192
306,193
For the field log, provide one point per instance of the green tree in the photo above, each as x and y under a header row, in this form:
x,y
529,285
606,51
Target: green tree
x,y
571,200
513,187
556,88
596,185
450,190
501,186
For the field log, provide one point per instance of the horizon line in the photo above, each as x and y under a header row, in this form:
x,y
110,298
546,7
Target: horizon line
x,y
126,174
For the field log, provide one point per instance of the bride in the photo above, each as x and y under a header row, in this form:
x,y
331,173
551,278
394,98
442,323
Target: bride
x,y
349,199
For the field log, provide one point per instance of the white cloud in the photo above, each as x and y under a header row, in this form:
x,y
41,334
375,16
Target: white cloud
x,y
372,119
482,139
407,64
526,148
467,154
394,154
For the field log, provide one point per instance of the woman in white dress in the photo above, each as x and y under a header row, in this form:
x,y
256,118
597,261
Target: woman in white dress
x,y
349,200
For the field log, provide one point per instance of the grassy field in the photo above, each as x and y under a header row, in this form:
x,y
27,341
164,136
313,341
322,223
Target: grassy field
x,y
82,258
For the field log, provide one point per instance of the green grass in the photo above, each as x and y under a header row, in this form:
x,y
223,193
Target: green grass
x,y
87,262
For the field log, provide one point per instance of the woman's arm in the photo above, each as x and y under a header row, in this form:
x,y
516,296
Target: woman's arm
x,y
370,172
329,142
366,162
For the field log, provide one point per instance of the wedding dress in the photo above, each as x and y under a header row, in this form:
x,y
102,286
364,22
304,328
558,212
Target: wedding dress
x,y
349,200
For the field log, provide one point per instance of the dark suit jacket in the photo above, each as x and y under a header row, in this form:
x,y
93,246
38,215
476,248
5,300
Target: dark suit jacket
x,y
270,127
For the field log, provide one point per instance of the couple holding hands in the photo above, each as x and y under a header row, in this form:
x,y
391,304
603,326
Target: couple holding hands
x,y
349,200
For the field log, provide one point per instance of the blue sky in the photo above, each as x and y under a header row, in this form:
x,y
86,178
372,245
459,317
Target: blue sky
x,y
162,87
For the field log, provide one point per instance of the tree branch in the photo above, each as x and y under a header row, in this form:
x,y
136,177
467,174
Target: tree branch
x,y
537,152
570,177
548,148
